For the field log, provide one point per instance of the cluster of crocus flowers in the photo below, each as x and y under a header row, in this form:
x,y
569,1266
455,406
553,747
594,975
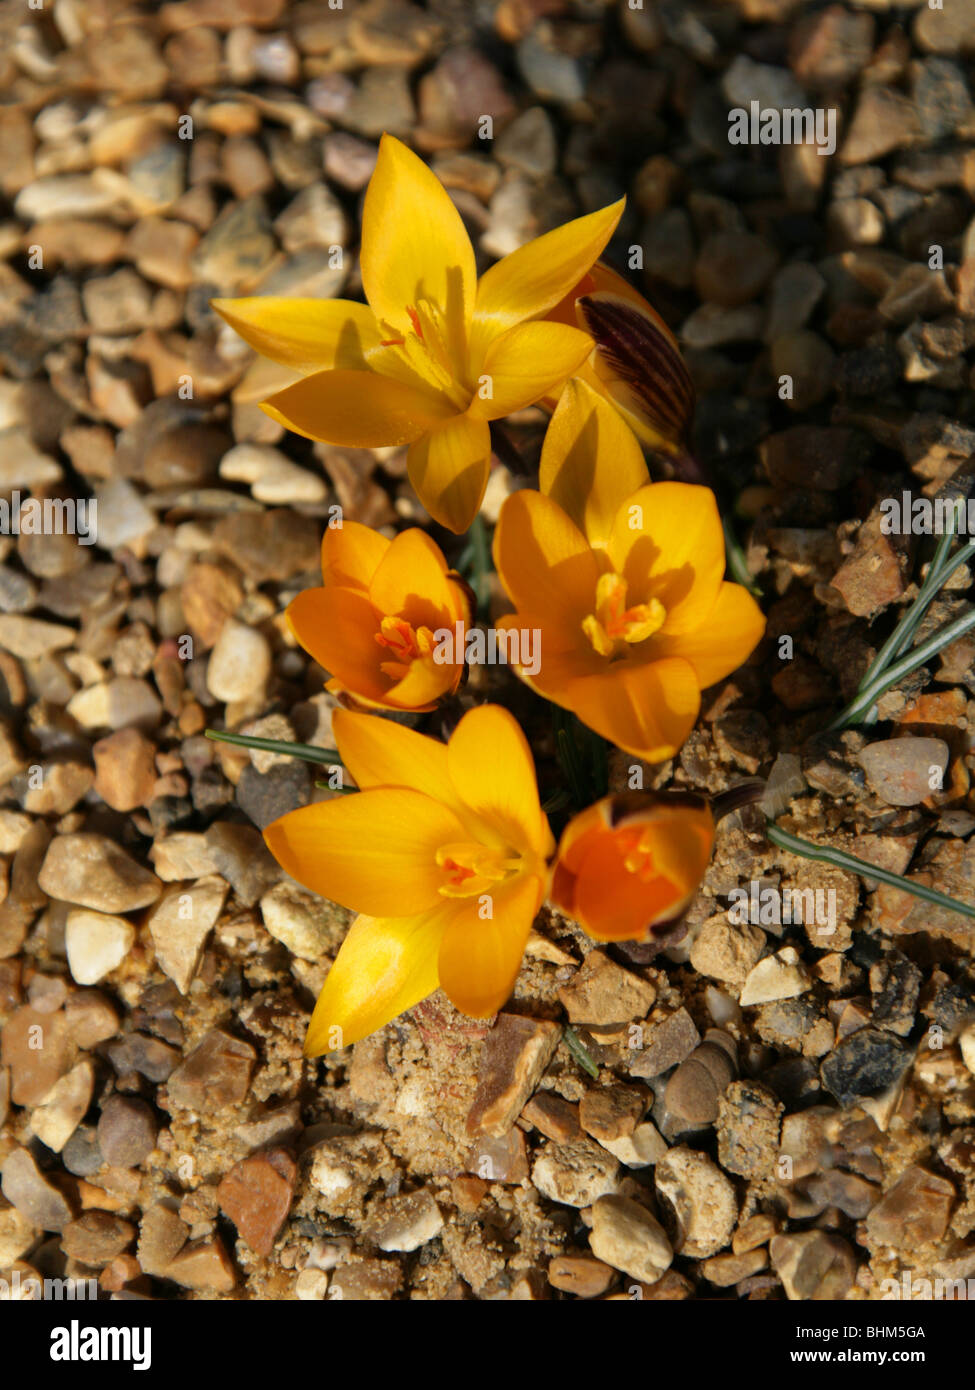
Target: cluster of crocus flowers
x,y
445,851
624,580
373,624
436,353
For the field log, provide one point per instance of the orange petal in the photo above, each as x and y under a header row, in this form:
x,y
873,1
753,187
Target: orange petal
x,y
308,335
525,364
591,462
411,581
668,544
351,554
614,904
480,959
425,684
384,967
414,243
337,627
491,767
361,409
647,710
544,560
723,641
381,753
449,468
373,852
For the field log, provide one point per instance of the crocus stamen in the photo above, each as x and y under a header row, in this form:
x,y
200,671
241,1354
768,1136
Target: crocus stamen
x,y
405,642
613,624
473,868
638,855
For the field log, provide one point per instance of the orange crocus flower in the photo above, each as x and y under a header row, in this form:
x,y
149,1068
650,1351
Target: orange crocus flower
x,y
372,625
436,353
623,580
633,862
445,848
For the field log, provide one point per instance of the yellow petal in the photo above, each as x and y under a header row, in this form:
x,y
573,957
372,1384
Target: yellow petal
x,y
385,966
491,767
361,409
479,959
723,641
525,364
534,278
591,462
381,753
373,852
411,581
337,627
425,684
668,544
544,560
351,554
308,335
449,469
647,710
414,244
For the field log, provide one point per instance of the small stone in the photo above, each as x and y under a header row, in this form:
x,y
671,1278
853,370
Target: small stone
x,y
612,1112
116,704
914,1212
625,1236
162,1236
832,47
89,1017
33,1045
575,1174
874,575
603,993
314,217
26,1188
553,1117
126,1131
782,976
265,797
749,1120
96,1238
551,74
725,951
125,769
243,859
529,144
272,477
580,1275
301,921
64,1107
669,1043
93,871
745,81
500,1160
256,1195
516,1052
641,1149
949,29
203,1265
725,1270
367,1281
884,120
137,1052
905,771
813,1265
31,638
96,944
694,1090
733,268
405,1222
181,922
240,662
864,1063
311,1285
701,1200
17,1236
22,464
62,787
895,983
183,855
237,248
279,1126
216,1073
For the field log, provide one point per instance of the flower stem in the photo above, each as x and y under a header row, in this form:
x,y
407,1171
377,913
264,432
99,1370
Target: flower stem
x,y
307,751
840,859
480,565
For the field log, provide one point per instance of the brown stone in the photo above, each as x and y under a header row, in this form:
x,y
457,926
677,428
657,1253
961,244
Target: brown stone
x,y
580,1275
125,769
603,993
516,1052
256,1194
668,1044
215,1074
162,1236
203,1265
913,1212
813,1265
35,1048
26,1188
501,1158
612,1112
96,1238
552,1116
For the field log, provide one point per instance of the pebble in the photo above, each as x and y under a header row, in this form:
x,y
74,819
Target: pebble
x,y
668,1044
243,859
96,1237
265,797
726,951
862,1064
215,1074
203,1265
895,983
813,1265
700,1199
914,1212
905,771
22,464
314,217
612,1112
96,944
62,786
33,1045
745,81
529,144
884,120
116,704
180,923
123,517
516,1052
125,769
237,248
552,75
580,1275
25,1187
725,1270
162,1236
782,976
64,1107
732,268
575,1174
256,1195
553,1117
239,664
405,1222
748,1125
31,638
693,1092
831,48
93,871
17,1236
272,477
626,1237
279,1126
641,1149
89,1017
603,993
795,291
950,29
126,1131
301,921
